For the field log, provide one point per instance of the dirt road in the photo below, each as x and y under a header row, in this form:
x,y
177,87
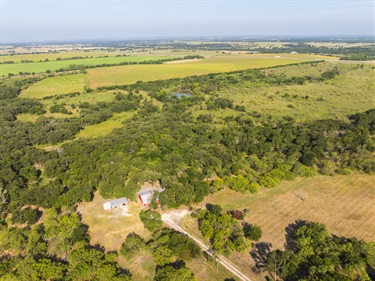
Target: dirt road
x,y
172,219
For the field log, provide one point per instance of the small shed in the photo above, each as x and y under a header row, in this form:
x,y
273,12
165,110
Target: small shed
x,y
114,203
145,195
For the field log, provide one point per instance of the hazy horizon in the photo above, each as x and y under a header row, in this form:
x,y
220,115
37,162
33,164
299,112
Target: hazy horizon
x,y
56,20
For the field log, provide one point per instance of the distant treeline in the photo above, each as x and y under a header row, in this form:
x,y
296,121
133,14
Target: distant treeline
x,y
78,67
366,52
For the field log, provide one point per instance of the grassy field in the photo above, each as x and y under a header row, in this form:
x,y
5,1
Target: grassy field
x,y
110,228
55,86
350,92
26,117
38,67
129,74
345,204
142,268
105,127
93,98
62,55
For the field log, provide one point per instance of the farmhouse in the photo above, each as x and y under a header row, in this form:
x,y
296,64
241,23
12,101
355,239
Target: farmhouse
x,y
114,203
145,195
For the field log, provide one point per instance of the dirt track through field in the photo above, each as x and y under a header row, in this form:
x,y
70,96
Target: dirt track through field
x,y
172,219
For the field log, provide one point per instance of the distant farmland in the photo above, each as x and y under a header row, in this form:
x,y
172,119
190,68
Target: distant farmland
x,y
38,67
130,74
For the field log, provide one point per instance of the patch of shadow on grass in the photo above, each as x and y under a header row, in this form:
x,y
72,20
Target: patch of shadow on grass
x,y
290,231
259,253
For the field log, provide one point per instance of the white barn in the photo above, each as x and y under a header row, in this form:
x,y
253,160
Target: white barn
x,y
114,203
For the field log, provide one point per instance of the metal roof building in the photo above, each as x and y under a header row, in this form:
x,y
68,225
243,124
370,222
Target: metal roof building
x,y
145,195
115,203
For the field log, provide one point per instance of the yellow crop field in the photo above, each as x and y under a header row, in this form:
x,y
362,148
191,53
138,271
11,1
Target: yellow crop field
x,y
129,74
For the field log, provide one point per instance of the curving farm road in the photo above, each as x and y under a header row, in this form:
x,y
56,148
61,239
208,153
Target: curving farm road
x,y
172,219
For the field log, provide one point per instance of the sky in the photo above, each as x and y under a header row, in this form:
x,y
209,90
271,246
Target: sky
x,y
43,20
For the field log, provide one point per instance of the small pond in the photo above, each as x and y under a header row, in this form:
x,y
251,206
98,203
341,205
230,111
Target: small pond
x,y
181,94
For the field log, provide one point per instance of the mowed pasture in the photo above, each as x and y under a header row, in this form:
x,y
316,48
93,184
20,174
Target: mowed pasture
x,y
37,67
55,86
129,74
345,204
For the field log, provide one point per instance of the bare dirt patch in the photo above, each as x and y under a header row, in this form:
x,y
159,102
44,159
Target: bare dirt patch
x,y
182,61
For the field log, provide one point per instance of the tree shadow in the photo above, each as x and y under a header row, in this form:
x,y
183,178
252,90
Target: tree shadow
x,y
290,236
98,247
246,226
215,209
177,265
125,271
259,253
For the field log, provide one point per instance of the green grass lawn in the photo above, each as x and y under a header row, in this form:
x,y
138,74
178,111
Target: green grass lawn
x,y
26,117
106,127
55,86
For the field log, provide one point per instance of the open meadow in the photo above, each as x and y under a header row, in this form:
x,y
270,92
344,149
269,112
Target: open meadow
x,y
350,92
106,127
345,204
129,74
110,228
55,86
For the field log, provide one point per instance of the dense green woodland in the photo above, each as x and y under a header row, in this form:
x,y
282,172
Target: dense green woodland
x,y
311,253
162,143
